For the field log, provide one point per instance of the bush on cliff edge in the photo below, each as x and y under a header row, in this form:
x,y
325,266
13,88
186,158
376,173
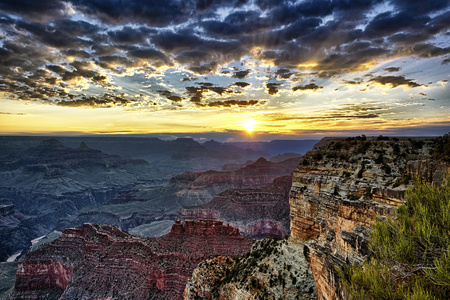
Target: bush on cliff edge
x,y
411,252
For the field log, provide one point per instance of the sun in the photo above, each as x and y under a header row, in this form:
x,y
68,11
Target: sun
x,y
249,125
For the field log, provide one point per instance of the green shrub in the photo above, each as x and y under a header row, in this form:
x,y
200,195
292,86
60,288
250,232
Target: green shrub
x,y
411,252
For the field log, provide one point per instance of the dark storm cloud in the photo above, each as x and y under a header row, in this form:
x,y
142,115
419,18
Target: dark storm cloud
x,y
230,103
104,101
83,70
330,38
152,12
189,78
388,23
150,54
420,6
114,62
76,53
393,69
196,93
169,95
283,73
395,81
308,87
41,10
240,84
130,35
241,74
61,34
272,88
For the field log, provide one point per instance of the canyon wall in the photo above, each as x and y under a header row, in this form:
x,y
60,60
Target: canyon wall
x,y
102,262
257,212
340,188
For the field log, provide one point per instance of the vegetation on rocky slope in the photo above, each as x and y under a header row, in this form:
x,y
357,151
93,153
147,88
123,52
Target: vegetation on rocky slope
x,y
273,269
411,258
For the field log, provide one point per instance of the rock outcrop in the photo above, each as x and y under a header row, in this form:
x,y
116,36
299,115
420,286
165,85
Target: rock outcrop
x,y
340,188
271,270
257,212
102,262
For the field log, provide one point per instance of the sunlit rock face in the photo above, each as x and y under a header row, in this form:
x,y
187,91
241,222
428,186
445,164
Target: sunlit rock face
x,y
257,212
338,190
102,262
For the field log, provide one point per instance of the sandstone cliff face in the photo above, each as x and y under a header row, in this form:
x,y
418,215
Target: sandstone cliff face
x,y
102,262
257,212
337,192
271,270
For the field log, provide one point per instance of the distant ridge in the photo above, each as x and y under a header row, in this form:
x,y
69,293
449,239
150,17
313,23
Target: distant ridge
x,y
277,147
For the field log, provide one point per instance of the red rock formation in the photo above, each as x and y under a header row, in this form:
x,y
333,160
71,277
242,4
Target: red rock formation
x,y
100,261
257,212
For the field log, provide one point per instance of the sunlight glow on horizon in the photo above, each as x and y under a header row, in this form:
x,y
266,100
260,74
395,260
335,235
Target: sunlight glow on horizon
x,y
249,125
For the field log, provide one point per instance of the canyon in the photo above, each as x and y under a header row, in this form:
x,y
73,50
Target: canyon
x,y
102,262
325,211
51,186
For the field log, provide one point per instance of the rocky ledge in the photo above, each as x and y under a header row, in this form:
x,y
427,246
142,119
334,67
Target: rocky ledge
x,y
102,262
339,189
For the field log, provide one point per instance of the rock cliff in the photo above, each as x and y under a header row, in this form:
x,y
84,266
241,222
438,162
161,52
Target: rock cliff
x,y
102,262
257,212
339,189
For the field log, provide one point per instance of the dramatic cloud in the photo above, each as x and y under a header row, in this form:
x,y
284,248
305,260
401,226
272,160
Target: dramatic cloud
x,y
310,86
241,74
103,101
392,69
197,54
395,81
272,88
240,84
230,103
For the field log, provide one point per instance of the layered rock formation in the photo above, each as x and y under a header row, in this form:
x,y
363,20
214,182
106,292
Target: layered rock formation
x,y
102,262
200,187
339,189
51,181
144,203
271,270
257,212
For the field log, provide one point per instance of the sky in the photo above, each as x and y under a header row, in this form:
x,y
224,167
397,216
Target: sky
x,y
225,69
